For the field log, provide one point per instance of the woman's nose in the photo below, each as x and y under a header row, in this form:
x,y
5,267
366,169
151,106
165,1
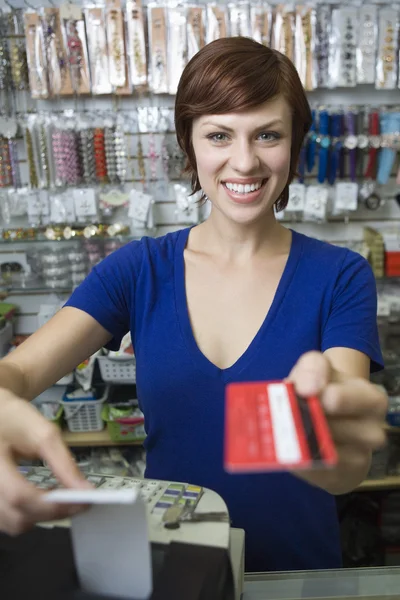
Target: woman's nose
x,y
243,158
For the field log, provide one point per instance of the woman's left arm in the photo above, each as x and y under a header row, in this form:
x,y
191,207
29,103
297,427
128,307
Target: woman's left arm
x,y
355,408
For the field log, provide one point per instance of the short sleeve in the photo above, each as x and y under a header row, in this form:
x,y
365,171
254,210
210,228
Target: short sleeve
x,y
352,318
107,292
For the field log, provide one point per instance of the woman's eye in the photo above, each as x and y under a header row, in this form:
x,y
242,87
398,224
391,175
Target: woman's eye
x,y
269,136
217,137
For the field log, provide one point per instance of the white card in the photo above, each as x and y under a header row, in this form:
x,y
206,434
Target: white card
x,y
139,206
62,208
44,201
34,205
346,196
85,203
297,196
110,542
315,203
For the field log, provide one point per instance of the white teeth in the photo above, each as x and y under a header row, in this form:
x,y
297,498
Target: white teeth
x,y
243,188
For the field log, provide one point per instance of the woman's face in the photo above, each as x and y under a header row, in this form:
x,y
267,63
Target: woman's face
x,y
243,158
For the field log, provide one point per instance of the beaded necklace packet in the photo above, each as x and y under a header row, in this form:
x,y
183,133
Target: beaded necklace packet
x,y
239,19
5,62
58,74
196,30
304,48
261,23
323,33
388,33
368,43
32,150
116,43
158,67
334,57
176,45
37,68
74,36
282,38
98,51
216,23
136,43
348,22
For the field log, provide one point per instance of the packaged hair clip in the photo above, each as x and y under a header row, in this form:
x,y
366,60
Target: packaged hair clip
x,y
217,22
196,33
368,43
116,44
282,37
98,51
304,48
59,75
239,19
158,67
36,59
322,44
388,33
136,43
177,45
261,23
74,35
348,43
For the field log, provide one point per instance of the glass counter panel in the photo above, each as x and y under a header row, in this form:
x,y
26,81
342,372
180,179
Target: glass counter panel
x,y
342,584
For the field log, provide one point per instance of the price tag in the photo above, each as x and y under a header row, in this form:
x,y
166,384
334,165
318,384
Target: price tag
x,y
139,204
315,203
34,205
297,197
346,196
62,209
44,202
85,203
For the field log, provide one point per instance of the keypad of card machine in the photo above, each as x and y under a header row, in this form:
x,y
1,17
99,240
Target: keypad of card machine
x,y
157,495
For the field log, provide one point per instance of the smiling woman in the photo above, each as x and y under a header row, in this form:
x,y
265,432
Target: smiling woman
x,y
233,75
237,298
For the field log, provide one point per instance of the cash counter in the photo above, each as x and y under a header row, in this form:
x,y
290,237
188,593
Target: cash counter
x,y
341,584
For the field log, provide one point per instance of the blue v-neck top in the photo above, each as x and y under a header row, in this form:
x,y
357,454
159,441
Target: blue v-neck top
x,y
326,298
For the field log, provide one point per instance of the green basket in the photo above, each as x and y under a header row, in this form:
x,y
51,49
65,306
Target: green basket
x,y
127,429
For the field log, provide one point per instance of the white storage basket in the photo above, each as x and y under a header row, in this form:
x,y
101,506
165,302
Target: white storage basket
x,y
117,369
84,415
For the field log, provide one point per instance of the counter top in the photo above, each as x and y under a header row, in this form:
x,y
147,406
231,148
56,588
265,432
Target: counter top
x,y
342,584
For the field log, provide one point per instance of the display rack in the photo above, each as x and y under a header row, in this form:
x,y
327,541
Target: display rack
x,y
93,438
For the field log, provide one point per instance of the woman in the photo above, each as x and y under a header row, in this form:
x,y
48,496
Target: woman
x,y
237,298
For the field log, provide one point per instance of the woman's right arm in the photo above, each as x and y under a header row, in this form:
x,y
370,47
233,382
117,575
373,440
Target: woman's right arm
x,y
54,350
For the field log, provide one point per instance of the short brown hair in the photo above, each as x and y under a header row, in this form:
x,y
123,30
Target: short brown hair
x,y
234,74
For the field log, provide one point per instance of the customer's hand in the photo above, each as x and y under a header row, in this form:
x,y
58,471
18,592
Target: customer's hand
x,y
356,411
25,433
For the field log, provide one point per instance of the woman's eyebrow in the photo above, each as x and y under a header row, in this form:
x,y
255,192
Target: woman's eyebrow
x,y
226,128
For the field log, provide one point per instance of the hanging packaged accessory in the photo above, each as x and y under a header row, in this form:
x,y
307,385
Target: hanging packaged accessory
x,y
336,125
37,67
351,141
386,65
73,29
324,142
98,52
217,22
367,46
136,46
389,126
195,29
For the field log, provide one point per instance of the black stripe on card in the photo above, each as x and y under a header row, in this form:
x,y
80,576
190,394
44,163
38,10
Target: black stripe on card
x,y
309,430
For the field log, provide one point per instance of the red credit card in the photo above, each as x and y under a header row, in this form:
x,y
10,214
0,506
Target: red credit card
x,y
268,427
